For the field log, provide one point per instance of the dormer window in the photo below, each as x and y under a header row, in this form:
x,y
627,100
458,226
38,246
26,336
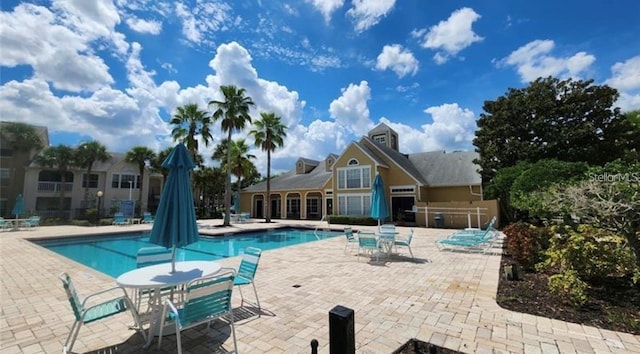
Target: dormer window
x,y
380,139
353,162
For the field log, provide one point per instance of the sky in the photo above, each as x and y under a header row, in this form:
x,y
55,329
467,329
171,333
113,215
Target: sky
x,y
115,70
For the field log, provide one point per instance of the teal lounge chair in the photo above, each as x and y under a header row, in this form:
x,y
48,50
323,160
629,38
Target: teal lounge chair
x,y
5,224
247,273
468,243
31,222
118,219
147,218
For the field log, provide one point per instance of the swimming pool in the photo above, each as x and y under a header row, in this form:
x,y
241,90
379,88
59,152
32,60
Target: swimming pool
x,y
116,254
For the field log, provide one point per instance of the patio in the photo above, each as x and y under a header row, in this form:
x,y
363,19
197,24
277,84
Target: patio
x,y
445,298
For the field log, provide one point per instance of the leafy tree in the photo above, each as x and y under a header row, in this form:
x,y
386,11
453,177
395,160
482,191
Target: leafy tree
x,y
241,165
140,155
562,119
609,198
189,122
20,136
156,164
233,113
500,188
269,134
60,157
86,155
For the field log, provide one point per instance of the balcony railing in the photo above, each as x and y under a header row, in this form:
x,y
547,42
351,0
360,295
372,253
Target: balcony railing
x,y
53,187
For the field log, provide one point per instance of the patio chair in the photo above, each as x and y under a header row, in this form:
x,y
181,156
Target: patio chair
x,y
352,239
86,311
404,242
5,224
247,272
387,229
31,222
147,218
119,219
206,298
148,256
368,243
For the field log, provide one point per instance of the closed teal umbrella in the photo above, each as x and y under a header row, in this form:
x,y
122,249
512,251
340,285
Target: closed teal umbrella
x,y
18,207
175,222
236,202
379,207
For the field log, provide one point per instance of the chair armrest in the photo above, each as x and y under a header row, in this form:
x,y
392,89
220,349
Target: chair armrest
x,y
84,302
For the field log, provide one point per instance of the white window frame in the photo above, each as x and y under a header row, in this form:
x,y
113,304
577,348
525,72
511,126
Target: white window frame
x,y
380,139
365,204
365,178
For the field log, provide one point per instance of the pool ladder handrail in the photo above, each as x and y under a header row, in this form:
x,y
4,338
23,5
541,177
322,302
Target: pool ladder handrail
x,y
315,232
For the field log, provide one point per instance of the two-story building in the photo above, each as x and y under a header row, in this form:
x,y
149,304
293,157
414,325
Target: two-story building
x,y
418,186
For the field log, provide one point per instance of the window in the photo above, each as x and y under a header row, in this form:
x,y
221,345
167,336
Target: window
x,y
353,162
4,152
354,177
91,182
122,181
354,204
293,207
403,189
380,139
5,177
312,205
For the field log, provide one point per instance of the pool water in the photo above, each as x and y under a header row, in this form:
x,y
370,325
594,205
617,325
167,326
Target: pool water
x,y
116,254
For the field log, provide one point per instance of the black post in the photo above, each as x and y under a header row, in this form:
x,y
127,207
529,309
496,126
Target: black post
x,y
342,339
314,346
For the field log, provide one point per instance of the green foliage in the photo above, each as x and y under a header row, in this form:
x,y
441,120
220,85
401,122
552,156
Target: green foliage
x,y
352,220
569,120
81,223
568,286
525,243
590,252
500,188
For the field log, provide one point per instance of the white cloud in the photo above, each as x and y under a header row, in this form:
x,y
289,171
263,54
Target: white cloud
x,y
350,109
452,35
144,26
452,128
57,54
201,21
533,60
326,7
367,13
398,59
625,77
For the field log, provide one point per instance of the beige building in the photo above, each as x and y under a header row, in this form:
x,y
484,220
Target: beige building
x,y
445,185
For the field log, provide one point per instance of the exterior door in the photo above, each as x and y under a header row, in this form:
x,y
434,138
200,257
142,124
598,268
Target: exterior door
x,y
259,209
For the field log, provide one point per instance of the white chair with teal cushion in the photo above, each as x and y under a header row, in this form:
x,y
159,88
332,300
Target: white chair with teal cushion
x,y
147,218
31,222
404,242
91,309
368,244
206,299
148,256
5,224
247,272
352,239
119,219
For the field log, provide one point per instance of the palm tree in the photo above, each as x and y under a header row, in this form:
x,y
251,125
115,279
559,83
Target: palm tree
x,y
156,164
20,136
86,155
140,155
269,134
189,122
60,157
241,164
233,113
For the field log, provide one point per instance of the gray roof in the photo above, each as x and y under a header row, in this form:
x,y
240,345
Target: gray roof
x,y
371,153
400,159
309,162
441,168
380,128
315,179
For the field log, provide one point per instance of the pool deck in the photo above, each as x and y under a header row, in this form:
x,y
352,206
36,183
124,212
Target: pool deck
x,y
446,298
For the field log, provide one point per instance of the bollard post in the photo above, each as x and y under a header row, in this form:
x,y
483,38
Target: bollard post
x,y
342,339
314,346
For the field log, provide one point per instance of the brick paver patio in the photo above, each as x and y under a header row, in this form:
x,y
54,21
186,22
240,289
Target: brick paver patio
x,y
446,298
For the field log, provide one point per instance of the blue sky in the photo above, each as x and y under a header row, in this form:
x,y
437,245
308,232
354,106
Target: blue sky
x,y
115,70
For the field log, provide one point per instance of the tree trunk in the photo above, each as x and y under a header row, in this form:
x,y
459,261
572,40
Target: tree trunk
x,y
268,197
634,244
227,185
63,182
86,187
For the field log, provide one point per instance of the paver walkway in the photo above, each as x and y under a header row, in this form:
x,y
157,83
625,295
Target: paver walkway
x,y
445,298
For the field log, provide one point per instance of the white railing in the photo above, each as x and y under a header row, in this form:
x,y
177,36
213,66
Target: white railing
x,y
315,232
54,187
469,212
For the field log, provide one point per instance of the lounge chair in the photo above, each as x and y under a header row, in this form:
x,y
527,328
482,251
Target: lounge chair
x,y
5,224
206,298
405,242
468,242
368,244
247,272
147,218
31,222
352,239
87,310
119,219
243,217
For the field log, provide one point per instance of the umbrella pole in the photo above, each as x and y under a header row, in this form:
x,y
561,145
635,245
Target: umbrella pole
x,y
173,259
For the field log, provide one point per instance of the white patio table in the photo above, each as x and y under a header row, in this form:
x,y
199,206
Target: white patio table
x,y
159,276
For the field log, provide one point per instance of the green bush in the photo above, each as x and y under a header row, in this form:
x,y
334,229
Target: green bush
x,y
352,220
525,243
591,252
568,286
81,223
